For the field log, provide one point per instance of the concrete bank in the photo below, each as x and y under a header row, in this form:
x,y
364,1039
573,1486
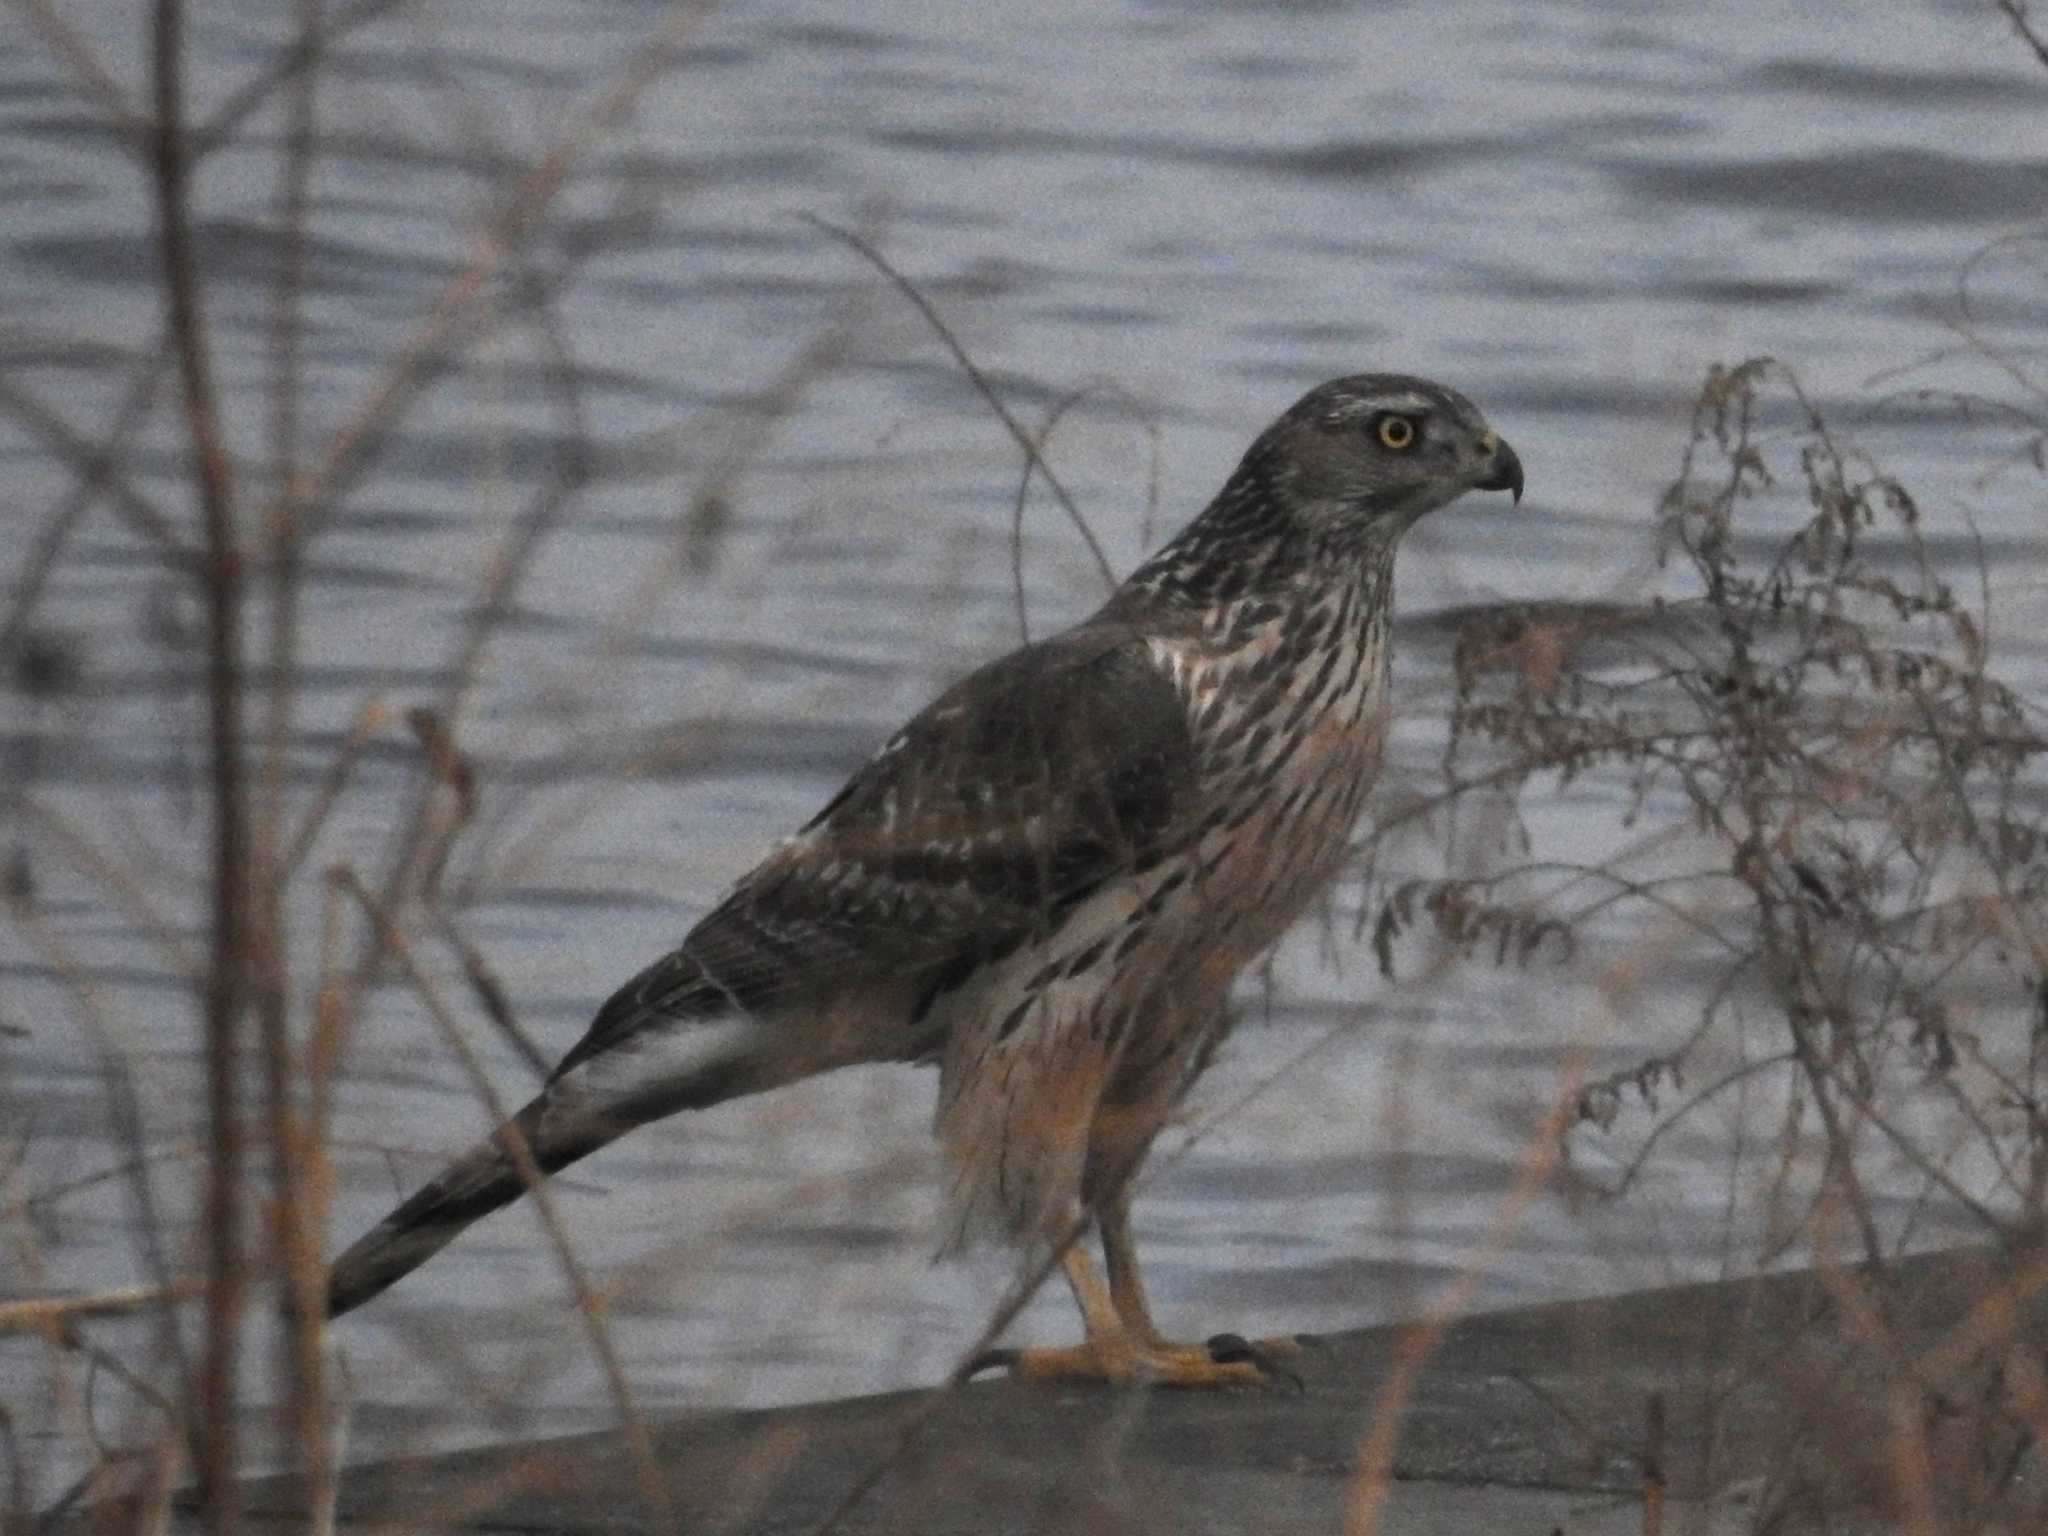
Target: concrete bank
x,y
1815,1400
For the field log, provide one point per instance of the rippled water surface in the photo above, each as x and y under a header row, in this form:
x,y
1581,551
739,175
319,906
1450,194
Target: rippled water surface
x,y
797,526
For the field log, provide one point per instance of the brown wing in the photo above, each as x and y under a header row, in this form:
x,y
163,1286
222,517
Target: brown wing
x,y
1016,794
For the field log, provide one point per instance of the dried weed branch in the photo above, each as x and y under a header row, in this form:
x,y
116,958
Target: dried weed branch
x,y
227,980
1828,785
1834,800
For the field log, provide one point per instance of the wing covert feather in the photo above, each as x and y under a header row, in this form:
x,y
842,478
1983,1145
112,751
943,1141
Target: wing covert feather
x,y
1015,794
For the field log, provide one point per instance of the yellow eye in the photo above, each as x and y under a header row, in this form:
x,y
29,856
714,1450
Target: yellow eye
x,y
1397,432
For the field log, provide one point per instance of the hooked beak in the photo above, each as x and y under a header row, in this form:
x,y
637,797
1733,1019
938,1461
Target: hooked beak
x,y
1503,470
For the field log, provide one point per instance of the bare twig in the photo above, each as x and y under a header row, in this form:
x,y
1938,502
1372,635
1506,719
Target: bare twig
x,y
350,451
88,483
299,1201
1046,428
369,720
2016,13
590,1304
98,465
491,995
127,1132
973,1360
450,768
983,386
39,1314
1419,1340
227,979
300,56
92,77
123,891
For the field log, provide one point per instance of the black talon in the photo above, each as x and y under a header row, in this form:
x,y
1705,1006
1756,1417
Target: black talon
x,y
1230,1348
1236,1349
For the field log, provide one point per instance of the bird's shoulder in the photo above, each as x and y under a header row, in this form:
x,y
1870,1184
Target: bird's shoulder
x,y
1088,720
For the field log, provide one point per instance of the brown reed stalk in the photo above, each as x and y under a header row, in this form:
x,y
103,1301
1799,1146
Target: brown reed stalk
x,y
226,986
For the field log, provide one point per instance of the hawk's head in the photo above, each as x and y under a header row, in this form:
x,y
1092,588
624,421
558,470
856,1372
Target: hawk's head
x,y
1381,446
1328,489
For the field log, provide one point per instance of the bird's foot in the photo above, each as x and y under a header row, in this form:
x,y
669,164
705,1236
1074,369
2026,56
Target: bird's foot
x,y
1227,1360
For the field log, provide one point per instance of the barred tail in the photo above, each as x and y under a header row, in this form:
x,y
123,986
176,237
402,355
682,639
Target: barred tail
x,y
590,1102
482,1180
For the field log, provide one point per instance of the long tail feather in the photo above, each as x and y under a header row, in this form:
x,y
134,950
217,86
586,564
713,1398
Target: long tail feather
x,y
479,1182
595,1102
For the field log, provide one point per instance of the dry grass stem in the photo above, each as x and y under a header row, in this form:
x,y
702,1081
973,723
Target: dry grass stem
x,y
41,1315
590,1304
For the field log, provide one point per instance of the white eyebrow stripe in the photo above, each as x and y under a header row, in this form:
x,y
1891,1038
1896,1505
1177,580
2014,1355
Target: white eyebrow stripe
x,y
1407,404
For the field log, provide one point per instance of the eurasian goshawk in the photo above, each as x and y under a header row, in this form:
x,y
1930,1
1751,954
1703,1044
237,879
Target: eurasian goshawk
x,y
1046,882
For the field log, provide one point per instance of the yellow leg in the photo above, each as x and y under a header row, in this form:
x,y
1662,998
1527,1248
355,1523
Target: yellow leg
x,y
1122,1348
1126,1286
1127,1291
